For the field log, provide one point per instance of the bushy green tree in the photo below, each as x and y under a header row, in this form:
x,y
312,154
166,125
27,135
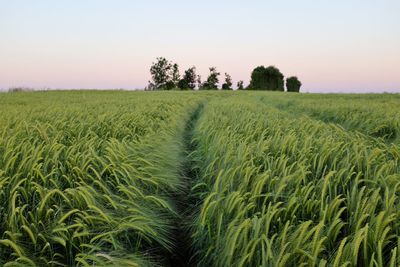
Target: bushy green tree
x,y
212,80
160,73
164,75
269,78
188,80
228,82
293,84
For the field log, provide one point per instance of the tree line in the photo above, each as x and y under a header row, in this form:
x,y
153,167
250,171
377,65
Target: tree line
x,y
165,75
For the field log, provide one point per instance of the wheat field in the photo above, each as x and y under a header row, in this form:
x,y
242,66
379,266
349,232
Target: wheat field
x,y
117,178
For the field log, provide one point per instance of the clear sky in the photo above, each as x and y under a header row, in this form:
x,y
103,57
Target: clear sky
x,y
332,46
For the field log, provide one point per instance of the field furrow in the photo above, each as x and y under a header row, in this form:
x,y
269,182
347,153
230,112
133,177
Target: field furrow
x,y
378,118
182,253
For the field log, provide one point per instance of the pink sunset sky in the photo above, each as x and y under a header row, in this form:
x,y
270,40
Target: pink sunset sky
x,y
335,46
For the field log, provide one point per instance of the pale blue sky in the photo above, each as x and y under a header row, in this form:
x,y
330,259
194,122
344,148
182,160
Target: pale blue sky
x,y
331,46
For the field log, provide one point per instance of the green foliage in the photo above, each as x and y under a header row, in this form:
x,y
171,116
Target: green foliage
x,y
212,80
293,84
228,82
164,74
175,75
269,78
189,79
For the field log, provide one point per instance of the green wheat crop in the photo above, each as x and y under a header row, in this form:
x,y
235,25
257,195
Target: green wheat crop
x,y
207,178
281,190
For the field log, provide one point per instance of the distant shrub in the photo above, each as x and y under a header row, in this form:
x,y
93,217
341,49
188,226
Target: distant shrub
x,y
269,78
212,80
228,82
293,84
188,80
20,89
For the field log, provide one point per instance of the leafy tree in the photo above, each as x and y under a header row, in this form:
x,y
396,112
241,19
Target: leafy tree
x,y
175,75
188,80
293,84
240,85
228,82
269,78
183,85
169,85
212,80
161,74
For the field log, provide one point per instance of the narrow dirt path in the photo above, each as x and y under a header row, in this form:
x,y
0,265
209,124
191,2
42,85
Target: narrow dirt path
x,y
182,256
